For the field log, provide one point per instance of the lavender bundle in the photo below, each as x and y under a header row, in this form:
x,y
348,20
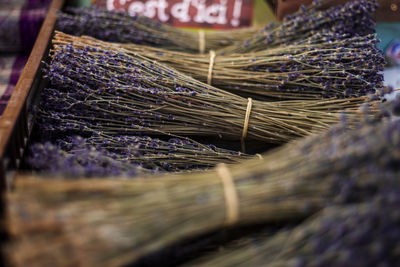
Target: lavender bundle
x,y
365,234
121,27
101,155
118,94
114,222
312,69
354,18
81,160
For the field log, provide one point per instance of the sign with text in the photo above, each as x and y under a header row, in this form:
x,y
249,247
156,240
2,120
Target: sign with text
x,y
215,14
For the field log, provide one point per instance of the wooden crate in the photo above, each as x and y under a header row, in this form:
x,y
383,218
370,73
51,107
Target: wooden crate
x,y
16,122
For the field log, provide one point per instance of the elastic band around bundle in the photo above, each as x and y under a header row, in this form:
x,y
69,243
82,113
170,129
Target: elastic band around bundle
x,y
231,197
246,123
210,66
202,42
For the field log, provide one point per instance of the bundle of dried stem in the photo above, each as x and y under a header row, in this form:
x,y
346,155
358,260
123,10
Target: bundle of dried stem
x,y
121,27
312,69
115,93
114,222
65,153
355,18
364,234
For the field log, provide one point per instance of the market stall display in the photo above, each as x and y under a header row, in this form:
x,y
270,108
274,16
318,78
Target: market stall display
x,y
114,153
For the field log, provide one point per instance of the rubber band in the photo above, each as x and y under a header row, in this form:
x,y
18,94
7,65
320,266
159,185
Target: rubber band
x,y
210,66
246,123
202,42
231,198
